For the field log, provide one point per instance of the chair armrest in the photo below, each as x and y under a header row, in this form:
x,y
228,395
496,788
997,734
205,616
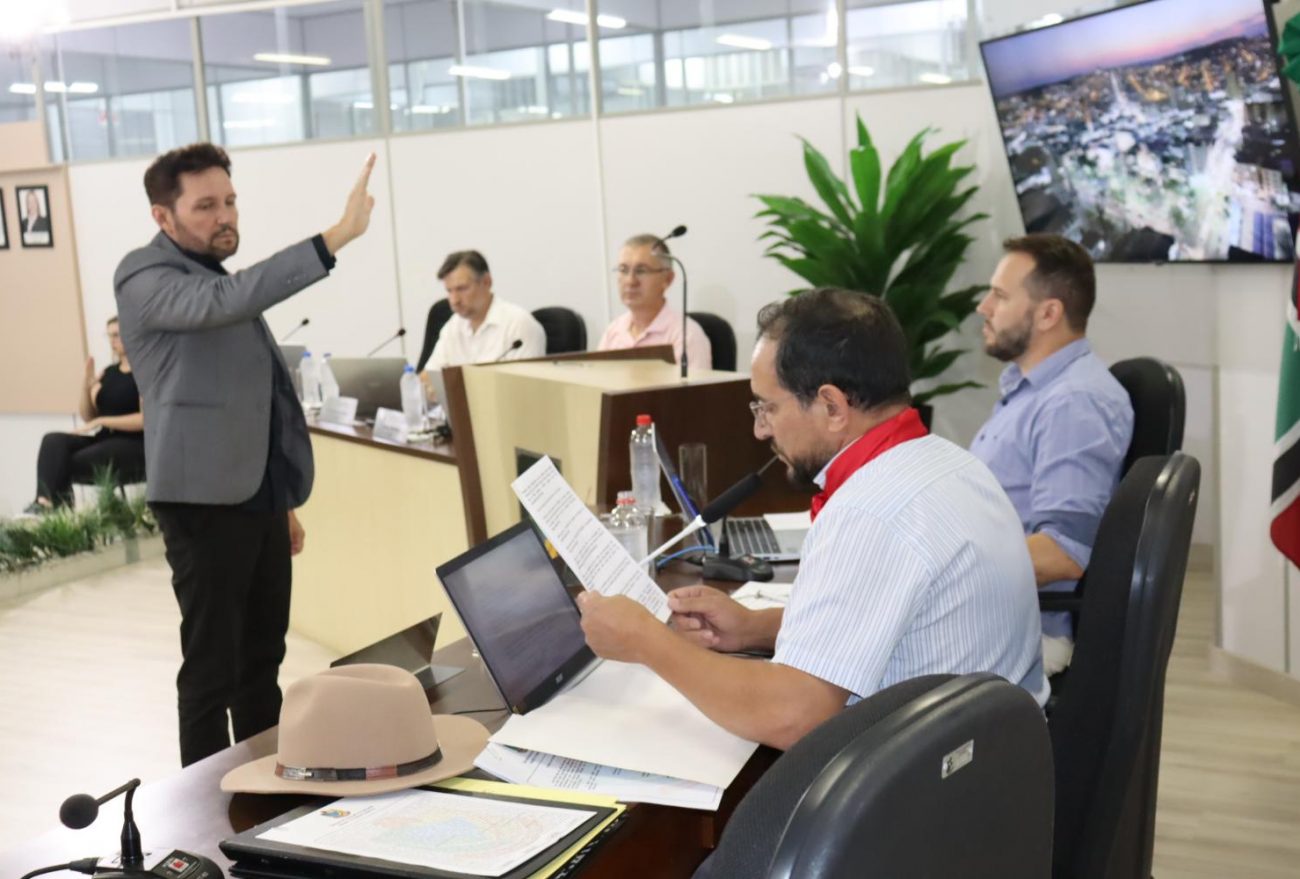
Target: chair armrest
x,y
1057,601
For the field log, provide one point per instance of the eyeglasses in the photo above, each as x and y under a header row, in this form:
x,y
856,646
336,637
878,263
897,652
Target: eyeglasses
x,y
637,272
761,409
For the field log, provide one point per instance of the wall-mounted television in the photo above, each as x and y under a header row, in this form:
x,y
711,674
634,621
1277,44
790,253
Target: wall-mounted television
x,y
1154,132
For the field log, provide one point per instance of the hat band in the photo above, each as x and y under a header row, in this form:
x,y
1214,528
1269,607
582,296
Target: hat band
x,y
368,773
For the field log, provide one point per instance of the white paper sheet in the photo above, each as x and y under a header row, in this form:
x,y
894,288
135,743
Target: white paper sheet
x,y
596,557
547,770
789,521
627,717
442,831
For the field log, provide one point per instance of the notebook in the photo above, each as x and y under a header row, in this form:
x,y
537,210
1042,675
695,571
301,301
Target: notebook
x,y
520,617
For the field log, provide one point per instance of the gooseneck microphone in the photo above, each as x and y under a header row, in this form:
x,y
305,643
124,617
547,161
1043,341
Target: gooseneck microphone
x,y
80,810
302,323
719,507
678,232
393,338
514,346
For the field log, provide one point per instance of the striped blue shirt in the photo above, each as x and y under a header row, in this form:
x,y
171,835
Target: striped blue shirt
x,y
1056,442
916,565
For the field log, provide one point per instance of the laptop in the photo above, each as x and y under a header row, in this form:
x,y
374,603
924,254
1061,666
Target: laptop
x,y
520,617
373,381
410,649
440,394
746,535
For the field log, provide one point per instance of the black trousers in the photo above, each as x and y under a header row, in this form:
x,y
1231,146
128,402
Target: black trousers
x,y
66,458
232,578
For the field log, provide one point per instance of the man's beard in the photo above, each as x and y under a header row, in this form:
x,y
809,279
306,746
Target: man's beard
x,y
1009,344
211,248
802,472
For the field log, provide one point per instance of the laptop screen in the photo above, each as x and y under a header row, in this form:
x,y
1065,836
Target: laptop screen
x,y
522,620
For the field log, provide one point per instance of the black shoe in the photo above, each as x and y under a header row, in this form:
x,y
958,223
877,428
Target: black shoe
x,y
36,508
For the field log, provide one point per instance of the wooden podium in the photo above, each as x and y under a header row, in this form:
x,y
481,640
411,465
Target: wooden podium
x,y
580,410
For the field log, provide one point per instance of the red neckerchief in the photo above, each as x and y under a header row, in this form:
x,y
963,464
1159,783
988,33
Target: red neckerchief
x,y
904,426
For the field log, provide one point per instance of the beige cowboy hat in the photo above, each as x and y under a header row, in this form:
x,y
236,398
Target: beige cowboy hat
x,y
357,730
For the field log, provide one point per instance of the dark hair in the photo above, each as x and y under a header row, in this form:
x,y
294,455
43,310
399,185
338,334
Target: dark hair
x,y
838,337
1062,270
472,258
162,182
112,320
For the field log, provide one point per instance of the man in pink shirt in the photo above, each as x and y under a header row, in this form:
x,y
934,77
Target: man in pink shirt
x,y
644,275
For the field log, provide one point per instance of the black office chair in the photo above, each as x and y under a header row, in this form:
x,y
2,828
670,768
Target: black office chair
x,y
439,314
722,339
1159,414
939,776
1159,407
565,329
1106,721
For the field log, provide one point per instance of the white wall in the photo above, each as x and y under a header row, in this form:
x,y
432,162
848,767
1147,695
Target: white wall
x,y
526,196
20,439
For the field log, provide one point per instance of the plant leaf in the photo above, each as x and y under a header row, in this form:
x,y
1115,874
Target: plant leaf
x,y
829,186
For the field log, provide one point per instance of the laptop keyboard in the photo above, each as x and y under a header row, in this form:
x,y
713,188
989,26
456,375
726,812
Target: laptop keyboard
x,y
752,537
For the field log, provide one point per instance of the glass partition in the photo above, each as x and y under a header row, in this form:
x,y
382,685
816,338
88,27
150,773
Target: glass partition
x,y
720,52
908,43
287,73
122,91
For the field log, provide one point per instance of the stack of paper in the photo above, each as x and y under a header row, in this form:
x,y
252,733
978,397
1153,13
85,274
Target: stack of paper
x,y
621,717
562,773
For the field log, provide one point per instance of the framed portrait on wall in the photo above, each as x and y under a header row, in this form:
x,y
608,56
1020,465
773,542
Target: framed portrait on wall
x,y
4,230
34,216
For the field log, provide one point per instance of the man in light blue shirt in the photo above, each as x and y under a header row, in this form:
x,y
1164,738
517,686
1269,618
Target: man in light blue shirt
x,y
1057,437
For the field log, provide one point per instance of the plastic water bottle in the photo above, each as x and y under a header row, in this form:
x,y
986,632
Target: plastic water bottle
x,y
308,382
412,399
329,386
645,465
627,524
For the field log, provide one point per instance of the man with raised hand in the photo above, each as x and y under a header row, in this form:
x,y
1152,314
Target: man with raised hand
x,y
226,444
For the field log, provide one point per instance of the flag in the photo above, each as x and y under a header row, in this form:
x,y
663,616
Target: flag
x,y
1285,529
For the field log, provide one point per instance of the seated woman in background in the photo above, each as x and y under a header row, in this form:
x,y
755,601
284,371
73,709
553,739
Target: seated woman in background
x,y
112,436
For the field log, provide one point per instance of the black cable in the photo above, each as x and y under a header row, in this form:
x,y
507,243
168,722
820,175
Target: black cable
x,y
84,865
481,710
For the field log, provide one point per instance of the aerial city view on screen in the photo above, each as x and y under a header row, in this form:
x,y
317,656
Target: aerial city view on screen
x,y
1152,132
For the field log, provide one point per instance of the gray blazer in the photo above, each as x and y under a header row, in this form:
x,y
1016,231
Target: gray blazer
x,y
203,358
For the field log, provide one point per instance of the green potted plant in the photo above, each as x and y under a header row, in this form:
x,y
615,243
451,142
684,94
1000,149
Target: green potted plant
x,y
901,239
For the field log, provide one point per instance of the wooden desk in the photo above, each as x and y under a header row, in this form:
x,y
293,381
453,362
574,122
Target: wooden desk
x,y
190,812
381,516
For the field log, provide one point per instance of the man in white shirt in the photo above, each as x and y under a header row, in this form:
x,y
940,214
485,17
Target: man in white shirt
x,y
915,563
644,276
484,327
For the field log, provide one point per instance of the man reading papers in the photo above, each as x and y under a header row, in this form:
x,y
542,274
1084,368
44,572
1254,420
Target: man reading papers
x,y
915,563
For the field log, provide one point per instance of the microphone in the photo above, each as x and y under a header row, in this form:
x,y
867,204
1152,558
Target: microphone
x,y
719,507
393,338
301,324
80,810
678,232
514,346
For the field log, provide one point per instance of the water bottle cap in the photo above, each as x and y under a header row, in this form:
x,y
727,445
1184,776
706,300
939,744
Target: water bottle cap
x,y
625,499
643,421
327,354
306,354
409,368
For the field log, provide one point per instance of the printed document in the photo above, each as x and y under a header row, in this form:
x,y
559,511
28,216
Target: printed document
x,y
442,831
626,716
595,556
563,773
